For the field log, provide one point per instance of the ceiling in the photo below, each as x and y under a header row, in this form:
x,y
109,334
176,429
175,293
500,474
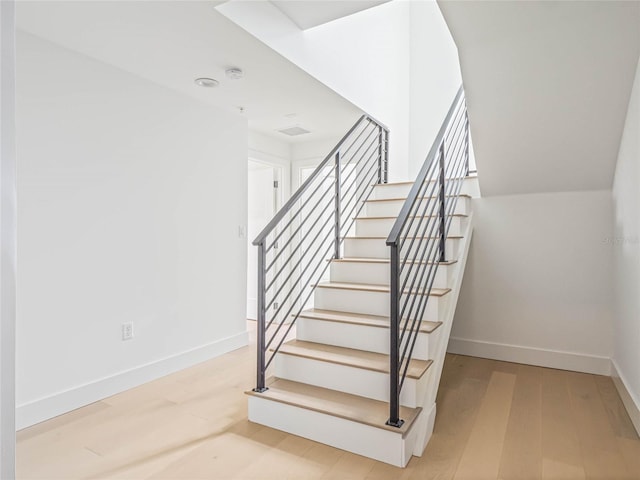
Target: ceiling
x,y
173,42
547,86
311,13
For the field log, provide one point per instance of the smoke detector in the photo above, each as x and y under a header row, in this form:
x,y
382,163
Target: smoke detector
x,y
234,73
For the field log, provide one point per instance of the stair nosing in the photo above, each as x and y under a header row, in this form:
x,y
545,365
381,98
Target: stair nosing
x,y
384,260
353,237
377,288
389,217
361,319
400,199
362,366
389,184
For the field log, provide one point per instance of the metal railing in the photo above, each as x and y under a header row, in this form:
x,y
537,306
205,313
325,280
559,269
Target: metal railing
x,y
295,248
418,242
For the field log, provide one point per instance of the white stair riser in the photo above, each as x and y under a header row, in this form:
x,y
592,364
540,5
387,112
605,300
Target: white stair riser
x,y
392,208
379,444
344,378
358,337
377,248
378,273
401,191
365,302
380,227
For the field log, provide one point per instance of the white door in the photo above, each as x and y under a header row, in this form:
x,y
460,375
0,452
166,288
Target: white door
x,y
261,209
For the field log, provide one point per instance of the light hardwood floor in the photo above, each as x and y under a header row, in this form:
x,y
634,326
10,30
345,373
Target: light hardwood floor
x,y
495,420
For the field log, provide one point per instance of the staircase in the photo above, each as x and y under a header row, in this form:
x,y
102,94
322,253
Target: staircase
x,y
361,372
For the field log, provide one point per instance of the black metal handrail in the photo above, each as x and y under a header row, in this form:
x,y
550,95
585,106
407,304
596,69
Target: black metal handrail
x,y
295,246
417,242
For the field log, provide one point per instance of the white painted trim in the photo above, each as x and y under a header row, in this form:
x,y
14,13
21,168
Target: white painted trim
x,y
577,362
45,408
377,443
8,217
630,401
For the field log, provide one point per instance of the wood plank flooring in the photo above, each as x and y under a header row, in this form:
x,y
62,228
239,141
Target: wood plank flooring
x,y
495,420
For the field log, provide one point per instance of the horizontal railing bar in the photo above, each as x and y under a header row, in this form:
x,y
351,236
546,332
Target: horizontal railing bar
x,y
283,248
302,273
328,175
430,224
300,294
298,193
425,215
413,214
402,217
355,141
429,249
371,171
347,214
425,253
430,238
292,216
302,256
349,219
459,115
294,302
368,155
351,189
373,132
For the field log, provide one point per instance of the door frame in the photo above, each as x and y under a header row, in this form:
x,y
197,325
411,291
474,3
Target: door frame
x,y
281,175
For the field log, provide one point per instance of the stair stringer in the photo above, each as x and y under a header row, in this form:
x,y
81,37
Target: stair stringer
x,y
426,420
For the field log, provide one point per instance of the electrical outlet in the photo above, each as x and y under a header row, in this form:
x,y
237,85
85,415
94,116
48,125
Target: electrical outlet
x,y
127,331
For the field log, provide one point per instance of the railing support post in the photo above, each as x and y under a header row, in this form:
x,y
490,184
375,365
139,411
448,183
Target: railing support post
x,y
443,199
380,154
337,206
394,347
385,176
261,330
467,139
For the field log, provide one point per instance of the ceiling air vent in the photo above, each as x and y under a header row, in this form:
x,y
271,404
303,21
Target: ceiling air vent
x,y
293,131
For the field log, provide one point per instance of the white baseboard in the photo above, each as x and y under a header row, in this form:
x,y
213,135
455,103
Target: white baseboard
x,y
576,362
630,401
252,308
62,402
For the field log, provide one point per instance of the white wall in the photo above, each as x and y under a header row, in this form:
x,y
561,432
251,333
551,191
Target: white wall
x,y
396,61
626,248
538,282
547,97
7,240
435,79
363,57
130,201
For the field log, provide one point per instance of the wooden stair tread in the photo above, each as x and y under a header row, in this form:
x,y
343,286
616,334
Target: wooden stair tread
x,y
383,260
376,362
414,216
367,287
402,199
360,319
338,404
355,237
390,184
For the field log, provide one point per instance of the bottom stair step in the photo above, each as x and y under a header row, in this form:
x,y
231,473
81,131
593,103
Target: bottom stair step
x,y
348,370
342,420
